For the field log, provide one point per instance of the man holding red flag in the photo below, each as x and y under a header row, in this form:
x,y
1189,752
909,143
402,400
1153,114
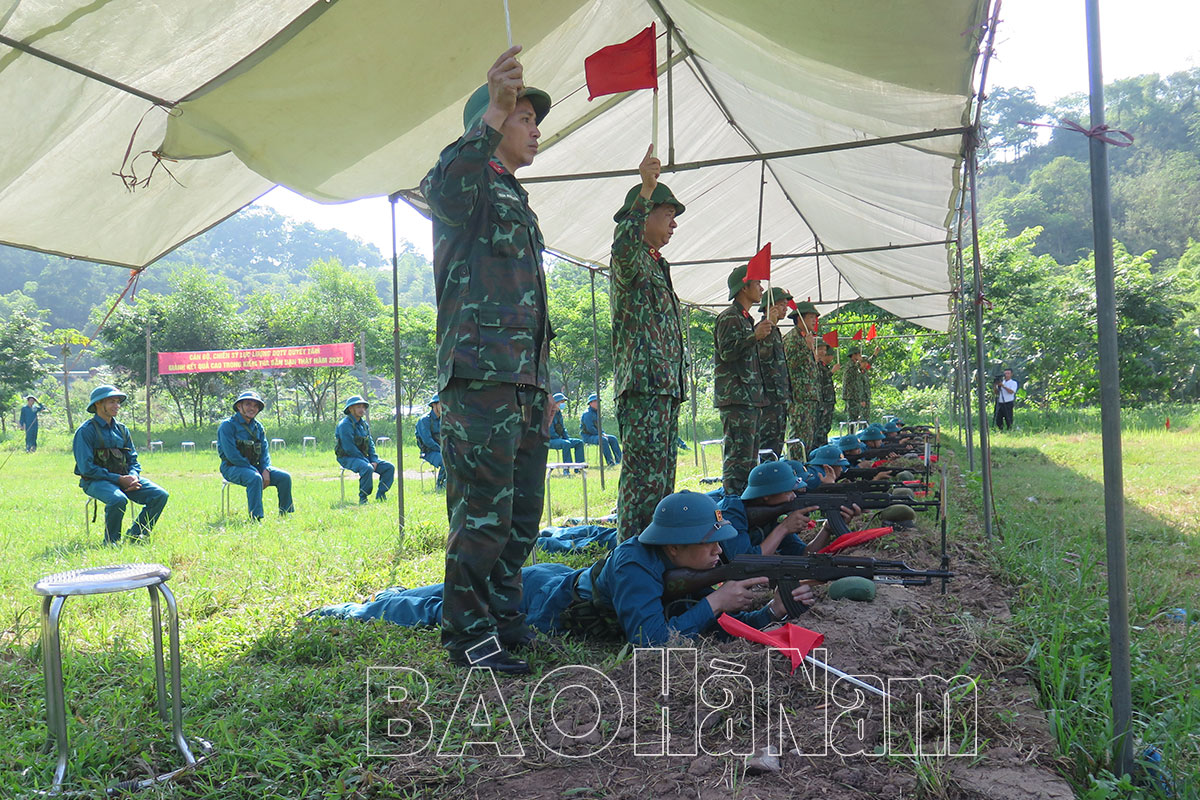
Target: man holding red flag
x,y
649,362
776,384
799,349
825,370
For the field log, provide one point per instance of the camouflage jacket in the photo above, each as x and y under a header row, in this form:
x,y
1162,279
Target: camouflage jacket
x,y
777,385
828,390
647,336
802,366
492,322
737,375
853,380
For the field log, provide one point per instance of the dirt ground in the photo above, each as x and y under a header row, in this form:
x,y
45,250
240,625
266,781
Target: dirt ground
x,y
595,734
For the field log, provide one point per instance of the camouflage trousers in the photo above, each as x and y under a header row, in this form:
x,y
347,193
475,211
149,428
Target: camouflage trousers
x,y
772,421
855,410
802,421
740,426
649,426
494,445
824,423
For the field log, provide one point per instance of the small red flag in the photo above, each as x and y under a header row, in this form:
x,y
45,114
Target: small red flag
x,y
1168,423
759,268
794,641
857,335
623,67
871,333
831,339
853,538
792,306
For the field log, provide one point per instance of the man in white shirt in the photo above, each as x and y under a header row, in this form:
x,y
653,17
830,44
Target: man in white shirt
x,y
1006,395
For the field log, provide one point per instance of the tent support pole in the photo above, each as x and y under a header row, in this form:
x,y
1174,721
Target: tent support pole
x,y
1110,416
985,459
396,380
816,253
670,94
85,72
596,361
692,367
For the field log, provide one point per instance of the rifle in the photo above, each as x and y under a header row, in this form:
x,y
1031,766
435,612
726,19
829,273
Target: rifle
x,y
786,573
868,486
830,504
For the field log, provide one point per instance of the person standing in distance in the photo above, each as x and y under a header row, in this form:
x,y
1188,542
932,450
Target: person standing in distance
x,y
493,334
29,422
1006,397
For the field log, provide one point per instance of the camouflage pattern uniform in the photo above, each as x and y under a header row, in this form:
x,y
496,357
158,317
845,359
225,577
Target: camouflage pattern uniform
x,y
806,389
777,387
493,337
854,390
649,369
737,393
826,407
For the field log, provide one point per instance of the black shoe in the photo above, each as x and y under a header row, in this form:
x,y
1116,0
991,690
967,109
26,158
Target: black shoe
x,y
501,661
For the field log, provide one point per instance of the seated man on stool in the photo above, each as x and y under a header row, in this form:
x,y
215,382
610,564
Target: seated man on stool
x,y
429,439
589,429
558,434
246,457
355,450
108,468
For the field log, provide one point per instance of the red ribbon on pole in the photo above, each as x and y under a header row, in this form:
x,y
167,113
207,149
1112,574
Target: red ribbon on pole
x,y
1100,132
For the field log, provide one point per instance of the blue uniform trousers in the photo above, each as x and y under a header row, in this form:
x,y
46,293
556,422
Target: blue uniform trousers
x,y
152,499
31,433
434,457
567,446
610,447
365,471
249,477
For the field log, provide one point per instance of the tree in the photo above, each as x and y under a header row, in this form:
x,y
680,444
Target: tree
x,y
64,339
1004,112
21,358
418,353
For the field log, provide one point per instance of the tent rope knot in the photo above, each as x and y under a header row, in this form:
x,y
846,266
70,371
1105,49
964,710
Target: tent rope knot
x,y
981,300
127,171
1100,132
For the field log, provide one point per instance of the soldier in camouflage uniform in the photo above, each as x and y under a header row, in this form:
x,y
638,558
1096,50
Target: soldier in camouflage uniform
x,y
493,336
806,386
737,379
777,386
647,337
853,386
825,369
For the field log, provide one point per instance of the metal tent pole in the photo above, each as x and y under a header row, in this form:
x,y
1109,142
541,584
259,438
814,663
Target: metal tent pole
x,y
984,448
692,365
596,361
396,377
1110,415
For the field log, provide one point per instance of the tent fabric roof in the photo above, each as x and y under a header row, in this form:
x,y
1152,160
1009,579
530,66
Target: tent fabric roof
x,y
355,98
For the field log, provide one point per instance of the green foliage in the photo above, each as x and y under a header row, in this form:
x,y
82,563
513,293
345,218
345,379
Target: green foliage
x,y
22,360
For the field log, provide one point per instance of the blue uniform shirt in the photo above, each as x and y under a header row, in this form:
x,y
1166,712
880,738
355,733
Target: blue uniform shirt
x,y
589,423
347,430
29,415
96,434
236,429
429,433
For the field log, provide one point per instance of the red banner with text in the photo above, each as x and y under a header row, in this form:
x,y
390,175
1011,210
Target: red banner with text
x,y
309,355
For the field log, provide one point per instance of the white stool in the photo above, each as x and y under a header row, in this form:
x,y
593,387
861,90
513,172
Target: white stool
x,y
185,447
95,506
156,445
703,460
380,441
226,499
306,441
212,445
280,443
767,454
342,478
583,468
55,589
803,449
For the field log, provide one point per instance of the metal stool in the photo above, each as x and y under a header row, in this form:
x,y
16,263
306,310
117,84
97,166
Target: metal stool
x,y
803,449
156,445
55,589
212,445
703,460
280,443
767,454
226,498
583,468
186,446
342,478
380,441
305,442
87,524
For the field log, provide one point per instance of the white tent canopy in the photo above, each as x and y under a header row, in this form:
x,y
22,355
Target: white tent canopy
x,y
355,98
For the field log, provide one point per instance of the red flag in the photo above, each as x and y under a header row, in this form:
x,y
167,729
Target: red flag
x,y
623,67
797,642
1168,423
831,339
792,306
858,335
854,538
759,268
871,332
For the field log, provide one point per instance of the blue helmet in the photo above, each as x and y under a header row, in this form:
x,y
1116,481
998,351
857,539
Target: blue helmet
x,y
249,394
560,397
434,399
103,393
828,454
354,400
687,518
845,443
770,478
592,398
871,434
891,427
800,471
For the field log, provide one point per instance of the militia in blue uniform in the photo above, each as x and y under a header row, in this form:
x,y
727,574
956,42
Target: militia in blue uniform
x,y
246,456
355,450
572,449
108,469
29,422
589,429
493,334
429,438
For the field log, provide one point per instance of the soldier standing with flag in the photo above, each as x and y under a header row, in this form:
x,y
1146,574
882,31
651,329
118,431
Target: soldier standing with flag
x,y
650,368
825,369
776,384
798,348
853,381
737,379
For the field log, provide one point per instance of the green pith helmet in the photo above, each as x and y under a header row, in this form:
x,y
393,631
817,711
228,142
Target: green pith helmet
x,y
767,479
249,394
103,393
805,308
687,518
778,295
477,105
660,195
736,280
353,401
852,587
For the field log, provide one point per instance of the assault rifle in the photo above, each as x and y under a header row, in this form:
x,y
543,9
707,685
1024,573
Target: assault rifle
x,y
868,486
830,504
786,573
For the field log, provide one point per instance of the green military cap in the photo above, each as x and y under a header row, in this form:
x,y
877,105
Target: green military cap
x,y
660,195
778,295
477,105
898,513
852,587
736,280
855,350
806,308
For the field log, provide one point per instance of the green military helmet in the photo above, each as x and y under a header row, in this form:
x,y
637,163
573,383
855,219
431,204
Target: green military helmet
x,y
778,295
773,477
103,393
903,491
807,307
354,400
477,105
905,475
736,280
686,518
899,514
852,587
660,195
828,455
249,394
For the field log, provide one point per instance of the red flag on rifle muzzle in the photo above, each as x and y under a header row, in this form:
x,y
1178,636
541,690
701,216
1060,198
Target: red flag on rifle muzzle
x,y
623,67
759,268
